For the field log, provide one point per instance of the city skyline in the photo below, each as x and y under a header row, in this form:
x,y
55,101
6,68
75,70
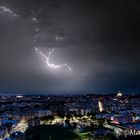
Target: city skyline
x,y
96,46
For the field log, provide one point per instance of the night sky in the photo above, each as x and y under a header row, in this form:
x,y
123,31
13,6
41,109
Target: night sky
x,y
98,39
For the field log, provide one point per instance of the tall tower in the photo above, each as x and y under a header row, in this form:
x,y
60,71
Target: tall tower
x,y
100,104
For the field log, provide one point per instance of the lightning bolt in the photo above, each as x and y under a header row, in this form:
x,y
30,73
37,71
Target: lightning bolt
x,y
47,60
4,9
34,19
35,39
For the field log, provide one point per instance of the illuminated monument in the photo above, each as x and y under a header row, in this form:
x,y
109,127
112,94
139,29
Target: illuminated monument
x,y
119,94
100,104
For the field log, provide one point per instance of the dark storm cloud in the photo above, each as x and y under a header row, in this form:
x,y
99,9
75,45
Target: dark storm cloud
x,y
98,39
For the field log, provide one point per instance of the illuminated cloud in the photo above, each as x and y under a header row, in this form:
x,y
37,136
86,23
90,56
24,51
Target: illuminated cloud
x,y
59,37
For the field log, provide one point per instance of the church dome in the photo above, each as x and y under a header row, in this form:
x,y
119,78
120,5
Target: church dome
x,y
119,94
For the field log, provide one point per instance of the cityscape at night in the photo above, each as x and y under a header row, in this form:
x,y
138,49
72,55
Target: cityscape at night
x,y
69,69
73,117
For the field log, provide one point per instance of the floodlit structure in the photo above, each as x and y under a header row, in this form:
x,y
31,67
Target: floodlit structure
x,y
119,94
100,105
